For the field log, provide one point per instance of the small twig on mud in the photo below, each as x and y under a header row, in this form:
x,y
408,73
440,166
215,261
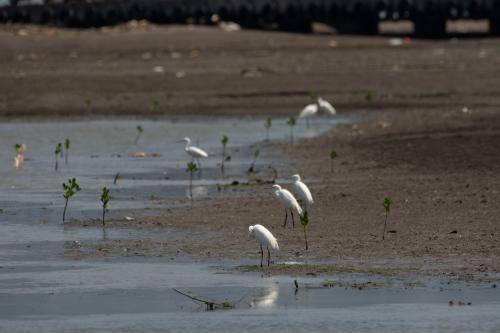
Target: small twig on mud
x,y
211,305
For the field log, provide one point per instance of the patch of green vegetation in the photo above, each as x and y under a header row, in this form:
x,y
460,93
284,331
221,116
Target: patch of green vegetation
x,y
301,269
327,269
369,96
354,285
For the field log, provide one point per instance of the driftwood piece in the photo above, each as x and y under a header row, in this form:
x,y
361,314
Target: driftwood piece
x,y
210,304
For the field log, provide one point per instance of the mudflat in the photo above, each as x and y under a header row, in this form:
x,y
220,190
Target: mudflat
x,y
428,134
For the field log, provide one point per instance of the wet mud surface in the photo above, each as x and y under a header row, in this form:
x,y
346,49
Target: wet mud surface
x,y
426,134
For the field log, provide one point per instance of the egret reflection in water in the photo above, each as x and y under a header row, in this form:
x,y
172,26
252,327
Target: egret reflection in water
x,y
266,298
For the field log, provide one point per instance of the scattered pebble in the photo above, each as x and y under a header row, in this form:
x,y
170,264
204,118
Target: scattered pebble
x,y
384,124
175,55
142,154
22,32
158,69
146,56
395,41
438,52
333,43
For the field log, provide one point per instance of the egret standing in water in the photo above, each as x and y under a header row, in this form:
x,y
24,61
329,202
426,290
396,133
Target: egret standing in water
x,y
265,238
321,106
289,201
195,152
302,191
308,112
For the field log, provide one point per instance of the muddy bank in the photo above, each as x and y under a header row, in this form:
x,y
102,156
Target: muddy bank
x,y
440,169
153,71
429,138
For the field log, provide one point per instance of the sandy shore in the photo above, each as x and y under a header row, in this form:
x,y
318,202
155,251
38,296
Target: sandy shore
x,y
428,136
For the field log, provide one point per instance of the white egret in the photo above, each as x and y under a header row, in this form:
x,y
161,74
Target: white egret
x,y
321,106
265,238
289,201
308,112
302,190
195,152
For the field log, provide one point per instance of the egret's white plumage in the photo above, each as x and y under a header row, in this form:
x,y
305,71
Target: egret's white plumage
x,y
193,151
288,200
264,236
321,106
265,239
309,111
326,107
302,190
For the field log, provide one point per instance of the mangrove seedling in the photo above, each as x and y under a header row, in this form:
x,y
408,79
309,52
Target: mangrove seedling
x,y
70,188
304,220
291,122
155,105
57,152
105,197
269,123
255,154
19,158
224,142
387,207
88,103
138,135
117,176
333,155
20,148
67,144
369,96
191,168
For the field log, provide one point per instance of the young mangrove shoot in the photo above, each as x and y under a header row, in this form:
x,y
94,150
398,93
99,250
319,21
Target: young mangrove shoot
x,y
155,105
138,135
387,207
57,152
67,144
291,122
269,123
20,148
117,176
19,158
224,142
255,154
69,190
105,197
191,168
333,155
304,220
